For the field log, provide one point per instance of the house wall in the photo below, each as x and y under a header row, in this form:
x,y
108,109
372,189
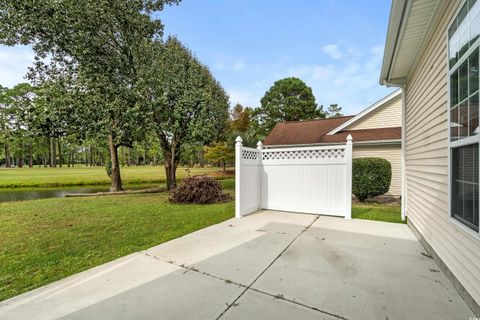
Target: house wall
x,y
387,116
427,159
392,153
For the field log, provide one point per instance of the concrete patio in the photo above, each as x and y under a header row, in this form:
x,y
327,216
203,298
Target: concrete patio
x,y
269,265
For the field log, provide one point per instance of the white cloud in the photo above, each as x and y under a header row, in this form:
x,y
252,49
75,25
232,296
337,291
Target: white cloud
x,y
333,51
223,65
14,63
248,98
353,84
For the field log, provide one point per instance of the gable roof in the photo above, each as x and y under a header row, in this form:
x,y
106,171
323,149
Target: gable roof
x,y
365,112
302,132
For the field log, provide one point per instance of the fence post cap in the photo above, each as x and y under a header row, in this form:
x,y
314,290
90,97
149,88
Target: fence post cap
x,y
259,144
349,138
238,140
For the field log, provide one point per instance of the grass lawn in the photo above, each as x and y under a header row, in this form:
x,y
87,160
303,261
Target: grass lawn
x,y
46,240
377,212
81,175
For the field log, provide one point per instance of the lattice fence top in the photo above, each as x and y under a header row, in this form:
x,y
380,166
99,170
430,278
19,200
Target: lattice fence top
x,y
304,154
250,154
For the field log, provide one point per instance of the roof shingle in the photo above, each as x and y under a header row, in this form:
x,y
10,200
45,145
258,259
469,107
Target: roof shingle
x,y
303,132
315,131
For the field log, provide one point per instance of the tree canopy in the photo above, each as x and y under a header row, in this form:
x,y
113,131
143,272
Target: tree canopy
x,y
289,99
92,50
334,111
187,104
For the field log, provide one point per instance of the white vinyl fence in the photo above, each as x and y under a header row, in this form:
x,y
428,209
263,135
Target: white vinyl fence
x,y
309,179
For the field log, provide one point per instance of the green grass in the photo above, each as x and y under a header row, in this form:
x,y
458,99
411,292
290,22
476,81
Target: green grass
x,y
46,240
81,175
377,212
42,241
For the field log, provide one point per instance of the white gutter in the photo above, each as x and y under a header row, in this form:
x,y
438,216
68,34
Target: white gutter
x,y
372,142
397,13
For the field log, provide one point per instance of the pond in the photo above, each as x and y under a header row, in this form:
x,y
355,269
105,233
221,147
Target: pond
x,y
19,194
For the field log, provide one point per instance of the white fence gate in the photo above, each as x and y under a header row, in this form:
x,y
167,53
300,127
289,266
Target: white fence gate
x,y
311,179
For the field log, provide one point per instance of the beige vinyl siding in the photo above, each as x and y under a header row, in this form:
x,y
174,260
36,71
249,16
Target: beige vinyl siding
x,y
386,116
427,159
392,153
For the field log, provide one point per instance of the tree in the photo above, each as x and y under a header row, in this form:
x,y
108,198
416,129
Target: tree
x,y
289,99
220,153
187,104
5,124
334,111
93,48
240,118
20,99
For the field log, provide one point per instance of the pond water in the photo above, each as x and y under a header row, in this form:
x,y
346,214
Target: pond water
x,y
18,194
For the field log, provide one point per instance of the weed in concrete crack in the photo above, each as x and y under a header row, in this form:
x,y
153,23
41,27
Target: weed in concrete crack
x,y
426,255
434,270
228,281
278,296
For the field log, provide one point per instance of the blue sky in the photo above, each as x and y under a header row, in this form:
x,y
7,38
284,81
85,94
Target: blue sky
x,y
335,46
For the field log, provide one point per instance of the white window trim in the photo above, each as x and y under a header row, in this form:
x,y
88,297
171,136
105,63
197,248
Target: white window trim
x,y
463,142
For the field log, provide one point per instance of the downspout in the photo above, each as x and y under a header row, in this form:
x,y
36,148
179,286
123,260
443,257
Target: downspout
x,y
403,148
404,153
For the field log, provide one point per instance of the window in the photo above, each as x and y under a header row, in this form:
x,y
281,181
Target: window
x,y
464,55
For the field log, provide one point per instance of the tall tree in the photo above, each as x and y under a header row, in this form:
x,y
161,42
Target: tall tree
x,y
289,99
21,99
240,118
5,123
187,104
95,48
334,111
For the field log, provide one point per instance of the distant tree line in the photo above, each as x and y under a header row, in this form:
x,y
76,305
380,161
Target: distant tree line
x,y
107,89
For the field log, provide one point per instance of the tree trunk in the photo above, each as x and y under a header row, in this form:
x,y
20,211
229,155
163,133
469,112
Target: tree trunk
x,y
224,167
7,156
91,156
20,156
171,160
116,178
60,157
30,155
51,156
171,172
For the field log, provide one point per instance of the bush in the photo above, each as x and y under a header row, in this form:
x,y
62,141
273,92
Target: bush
x,y
370,177
200,190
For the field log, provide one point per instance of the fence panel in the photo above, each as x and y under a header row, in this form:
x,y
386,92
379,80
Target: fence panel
x,y
310,179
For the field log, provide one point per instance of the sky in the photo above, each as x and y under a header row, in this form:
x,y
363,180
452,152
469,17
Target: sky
x,y
335,47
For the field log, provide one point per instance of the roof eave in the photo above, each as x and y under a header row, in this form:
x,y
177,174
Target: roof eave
x,y
369,142
395,21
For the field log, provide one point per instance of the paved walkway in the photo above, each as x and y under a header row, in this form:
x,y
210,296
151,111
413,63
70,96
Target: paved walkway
x,y
270,265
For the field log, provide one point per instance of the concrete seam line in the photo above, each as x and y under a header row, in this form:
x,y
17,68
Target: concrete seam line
x,y
269,265
194,269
